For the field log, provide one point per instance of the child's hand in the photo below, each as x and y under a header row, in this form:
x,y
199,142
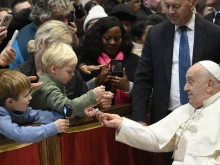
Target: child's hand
x,y
98,92
106,100
62,125
90,111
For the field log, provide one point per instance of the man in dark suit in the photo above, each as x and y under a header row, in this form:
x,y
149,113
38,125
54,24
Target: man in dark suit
x,y
212,16
157,74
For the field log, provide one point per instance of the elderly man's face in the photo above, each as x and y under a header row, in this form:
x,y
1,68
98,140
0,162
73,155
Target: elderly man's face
x,y
180,11
196,86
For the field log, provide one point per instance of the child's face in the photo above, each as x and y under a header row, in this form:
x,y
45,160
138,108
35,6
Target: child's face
x,y
22,103
64,74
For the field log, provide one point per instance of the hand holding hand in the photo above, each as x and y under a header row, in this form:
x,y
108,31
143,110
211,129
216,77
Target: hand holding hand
x,y
62,125
109,120
7,56
120,82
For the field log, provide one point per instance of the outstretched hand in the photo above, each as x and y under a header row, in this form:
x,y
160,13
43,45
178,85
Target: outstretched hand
x,y
109,120
90,111
87,69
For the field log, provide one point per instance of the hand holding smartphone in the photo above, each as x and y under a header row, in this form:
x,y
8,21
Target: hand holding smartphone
x,y
6,20
116,68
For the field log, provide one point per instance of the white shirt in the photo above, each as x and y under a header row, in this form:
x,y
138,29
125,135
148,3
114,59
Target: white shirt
x,y
199,143
186,137
216,12
174,90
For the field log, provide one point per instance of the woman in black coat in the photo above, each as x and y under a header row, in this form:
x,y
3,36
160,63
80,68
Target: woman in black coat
x,y
105,41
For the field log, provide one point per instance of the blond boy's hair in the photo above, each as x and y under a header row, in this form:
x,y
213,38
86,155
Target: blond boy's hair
x,y
59,55
50,32
12,84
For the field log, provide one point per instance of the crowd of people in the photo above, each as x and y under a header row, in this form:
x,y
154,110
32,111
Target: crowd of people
x,y
167,51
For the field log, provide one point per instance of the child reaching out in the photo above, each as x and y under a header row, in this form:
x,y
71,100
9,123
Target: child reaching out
x,y
59,62
14,111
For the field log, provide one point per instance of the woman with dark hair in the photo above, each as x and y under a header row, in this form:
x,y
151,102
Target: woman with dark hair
x,y
107,40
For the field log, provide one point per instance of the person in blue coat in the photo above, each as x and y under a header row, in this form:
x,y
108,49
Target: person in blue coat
x,y
15,111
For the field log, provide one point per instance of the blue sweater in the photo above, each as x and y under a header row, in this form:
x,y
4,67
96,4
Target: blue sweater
x,y
10,125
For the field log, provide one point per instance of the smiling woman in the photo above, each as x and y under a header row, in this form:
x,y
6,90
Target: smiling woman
x,y
104,41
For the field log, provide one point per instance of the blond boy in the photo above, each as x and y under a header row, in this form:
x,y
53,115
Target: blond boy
x,y
59,61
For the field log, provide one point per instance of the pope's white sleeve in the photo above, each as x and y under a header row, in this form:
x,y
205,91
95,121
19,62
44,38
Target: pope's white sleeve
x,y
136,135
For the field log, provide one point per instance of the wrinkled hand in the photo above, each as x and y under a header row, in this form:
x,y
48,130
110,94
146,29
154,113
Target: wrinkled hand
x,y
3,33
103,76
109,120
62,125
120,82
7,56
87,69
34,85
106,100
98,92
90,111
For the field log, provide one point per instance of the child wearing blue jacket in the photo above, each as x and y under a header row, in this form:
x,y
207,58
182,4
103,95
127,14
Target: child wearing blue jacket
x,y
14,111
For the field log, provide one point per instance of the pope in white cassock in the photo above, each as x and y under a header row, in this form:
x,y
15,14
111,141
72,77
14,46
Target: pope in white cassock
x,y
192,131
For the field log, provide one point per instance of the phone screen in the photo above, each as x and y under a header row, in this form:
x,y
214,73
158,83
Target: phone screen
x,y
116,68
67,111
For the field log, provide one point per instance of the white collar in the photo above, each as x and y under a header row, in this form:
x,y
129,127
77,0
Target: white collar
x,y
190,24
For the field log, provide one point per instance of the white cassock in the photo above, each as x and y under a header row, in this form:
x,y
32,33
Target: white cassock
x,y
197,133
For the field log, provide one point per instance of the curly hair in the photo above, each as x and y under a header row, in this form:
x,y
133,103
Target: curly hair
x,y
92,46
43,9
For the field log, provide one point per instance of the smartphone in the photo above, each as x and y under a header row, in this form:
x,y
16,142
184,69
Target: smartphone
x,y
13,38
116,68
67,112
6,20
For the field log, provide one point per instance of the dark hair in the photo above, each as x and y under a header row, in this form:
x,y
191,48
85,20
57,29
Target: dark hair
x,y
156,18
138,29
15,2
123,12
92,46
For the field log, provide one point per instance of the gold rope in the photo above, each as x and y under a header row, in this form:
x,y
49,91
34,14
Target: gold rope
x,y
13,146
